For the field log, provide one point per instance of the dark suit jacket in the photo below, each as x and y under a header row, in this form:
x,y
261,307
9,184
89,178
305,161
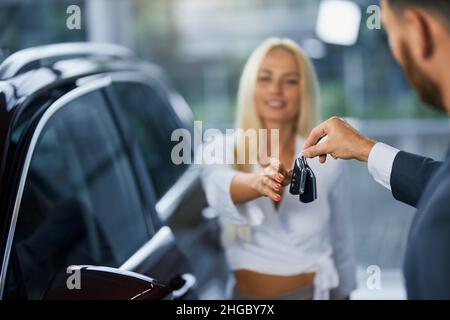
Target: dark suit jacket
x,y
425,184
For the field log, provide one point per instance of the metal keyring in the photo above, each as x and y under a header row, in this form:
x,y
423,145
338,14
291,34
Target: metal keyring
x,y
305,164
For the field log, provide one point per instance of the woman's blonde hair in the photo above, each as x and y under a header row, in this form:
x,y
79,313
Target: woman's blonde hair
x,y
246,116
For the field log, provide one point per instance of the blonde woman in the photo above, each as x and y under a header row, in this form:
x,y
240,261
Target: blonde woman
x,y
276,246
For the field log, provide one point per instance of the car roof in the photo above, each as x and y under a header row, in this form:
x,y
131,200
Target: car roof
x,y
27,59
33,73
28,71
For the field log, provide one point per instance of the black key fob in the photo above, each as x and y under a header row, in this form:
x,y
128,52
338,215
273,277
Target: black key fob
x,y
310,193
296,177
303,175
303,181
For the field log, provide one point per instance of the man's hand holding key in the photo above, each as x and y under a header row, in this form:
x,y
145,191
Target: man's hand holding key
x,y
343,142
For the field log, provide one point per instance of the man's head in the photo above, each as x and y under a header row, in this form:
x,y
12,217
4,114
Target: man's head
x,y
419,36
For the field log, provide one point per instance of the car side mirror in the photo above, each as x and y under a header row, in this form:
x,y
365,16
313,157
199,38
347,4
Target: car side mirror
x,y
104,283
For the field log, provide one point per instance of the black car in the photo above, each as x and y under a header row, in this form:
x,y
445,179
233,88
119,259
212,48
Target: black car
x,y
87,181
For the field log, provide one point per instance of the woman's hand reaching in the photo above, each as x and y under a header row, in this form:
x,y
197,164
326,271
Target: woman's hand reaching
x,y
268,183
272,179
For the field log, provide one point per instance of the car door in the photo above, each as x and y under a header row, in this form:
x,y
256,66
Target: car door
x,y
82,199
154,112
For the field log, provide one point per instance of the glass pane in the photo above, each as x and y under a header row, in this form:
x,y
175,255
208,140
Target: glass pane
x,y
80,204
27,23
152,124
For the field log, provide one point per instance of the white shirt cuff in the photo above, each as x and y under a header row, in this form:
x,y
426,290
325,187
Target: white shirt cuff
x,y
381,160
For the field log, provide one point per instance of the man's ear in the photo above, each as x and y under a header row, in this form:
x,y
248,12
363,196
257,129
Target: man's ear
x,y
418,30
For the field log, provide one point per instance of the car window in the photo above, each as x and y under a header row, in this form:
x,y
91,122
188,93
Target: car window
x,y
81,203
152,122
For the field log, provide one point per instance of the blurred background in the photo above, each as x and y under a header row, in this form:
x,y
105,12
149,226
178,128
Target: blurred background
x,y
203,44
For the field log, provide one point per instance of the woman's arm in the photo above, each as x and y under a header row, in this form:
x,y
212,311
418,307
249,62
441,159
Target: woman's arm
x,y
227,189
270,182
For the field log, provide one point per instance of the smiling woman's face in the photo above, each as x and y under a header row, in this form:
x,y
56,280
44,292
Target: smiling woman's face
x,y
277,89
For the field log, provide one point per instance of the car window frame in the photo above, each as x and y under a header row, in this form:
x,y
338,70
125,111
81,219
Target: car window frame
x,y
98,84
183,117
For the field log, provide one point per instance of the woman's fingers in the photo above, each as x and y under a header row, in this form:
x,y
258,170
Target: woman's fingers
x,y
288,178
271,189
282,170
285,173
278,167
271,183
275,163
290,173
273,195
278,171
273,174
277,187
275,177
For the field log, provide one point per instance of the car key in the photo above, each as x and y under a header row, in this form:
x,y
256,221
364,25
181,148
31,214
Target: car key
x,y
303,181
303,175
296,177
310,193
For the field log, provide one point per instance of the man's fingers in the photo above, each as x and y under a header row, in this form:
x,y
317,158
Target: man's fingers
x,y
317,150
318,132
323,158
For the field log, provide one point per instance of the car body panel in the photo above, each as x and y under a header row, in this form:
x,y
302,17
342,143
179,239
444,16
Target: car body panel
x,y
27,93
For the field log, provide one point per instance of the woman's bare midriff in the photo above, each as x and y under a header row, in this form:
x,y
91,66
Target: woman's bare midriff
x,y
261,285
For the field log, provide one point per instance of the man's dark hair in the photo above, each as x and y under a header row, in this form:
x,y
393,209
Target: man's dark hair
x,y
439,7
